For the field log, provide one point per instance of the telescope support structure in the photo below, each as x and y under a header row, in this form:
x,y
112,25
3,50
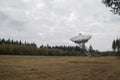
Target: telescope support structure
x,y
85,49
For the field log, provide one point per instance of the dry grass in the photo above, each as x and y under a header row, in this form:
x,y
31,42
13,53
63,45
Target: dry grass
x,y
59,68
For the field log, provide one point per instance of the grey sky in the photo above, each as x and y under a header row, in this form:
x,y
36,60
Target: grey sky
x,y
54,22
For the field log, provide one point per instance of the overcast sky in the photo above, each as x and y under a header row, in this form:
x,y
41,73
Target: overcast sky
x,y
54,22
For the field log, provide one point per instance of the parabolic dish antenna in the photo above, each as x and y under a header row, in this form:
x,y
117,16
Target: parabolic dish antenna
x,y
81,40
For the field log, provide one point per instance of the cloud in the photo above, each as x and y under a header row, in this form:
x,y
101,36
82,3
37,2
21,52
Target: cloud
x,y
56,21
3,16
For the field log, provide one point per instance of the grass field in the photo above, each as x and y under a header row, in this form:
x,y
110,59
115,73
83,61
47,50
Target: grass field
x,y
59,68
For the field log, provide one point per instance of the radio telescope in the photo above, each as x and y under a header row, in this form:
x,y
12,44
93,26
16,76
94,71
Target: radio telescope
x,y
81,40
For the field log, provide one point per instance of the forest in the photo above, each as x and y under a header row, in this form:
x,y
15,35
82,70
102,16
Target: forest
x,y
11,47
15,47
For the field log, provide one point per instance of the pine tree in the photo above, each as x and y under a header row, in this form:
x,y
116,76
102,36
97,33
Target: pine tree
x,y
8,41
91,49
114,5
114,45
117,43
3,41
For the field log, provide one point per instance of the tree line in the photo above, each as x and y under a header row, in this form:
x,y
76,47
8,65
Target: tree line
x,y
11,41
11,47
15,47
116,49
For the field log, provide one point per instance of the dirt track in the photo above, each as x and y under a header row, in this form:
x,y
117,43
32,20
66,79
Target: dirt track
x,y
59,68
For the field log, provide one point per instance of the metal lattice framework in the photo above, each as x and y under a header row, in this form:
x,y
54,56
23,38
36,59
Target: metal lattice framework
x,y
81,40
